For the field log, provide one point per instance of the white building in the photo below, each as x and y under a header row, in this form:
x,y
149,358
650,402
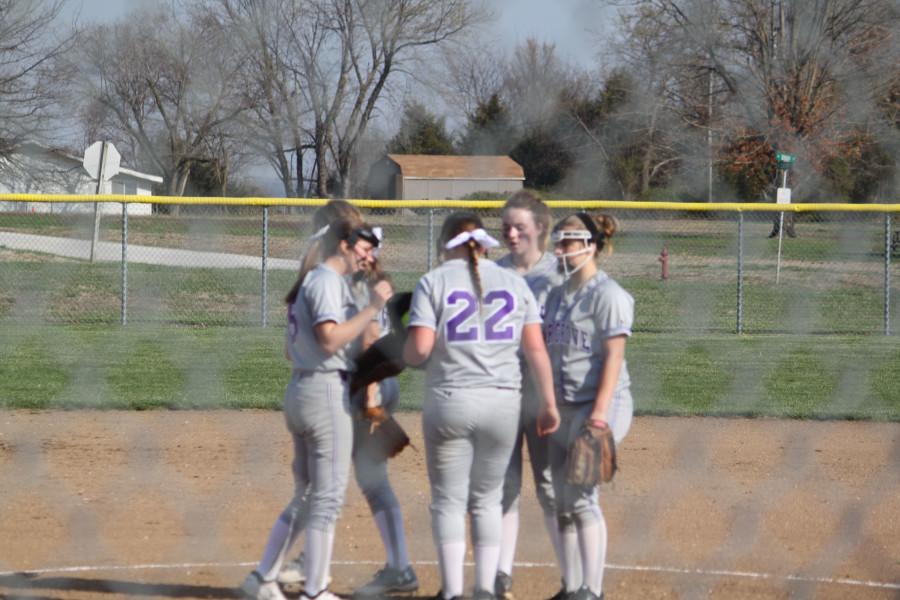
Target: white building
x,y
36,169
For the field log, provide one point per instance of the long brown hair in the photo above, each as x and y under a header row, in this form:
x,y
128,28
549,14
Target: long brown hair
x,y
335,210
531,201
455,224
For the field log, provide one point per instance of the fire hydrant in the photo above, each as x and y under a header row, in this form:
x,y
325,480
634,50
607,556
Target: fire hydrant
x,y
664,262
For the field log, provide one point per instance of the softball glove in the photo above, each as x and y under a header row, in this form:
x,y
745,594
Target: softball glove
x,y
592,457
380,436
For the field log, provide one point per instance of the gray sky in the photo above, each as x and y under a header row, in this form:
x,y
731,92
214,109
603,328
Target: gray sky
x,y
570,24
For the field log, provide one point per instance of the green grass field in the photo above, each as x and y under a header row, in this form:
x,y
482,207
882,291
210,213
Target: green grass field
x,y
75,292
147,367
812,346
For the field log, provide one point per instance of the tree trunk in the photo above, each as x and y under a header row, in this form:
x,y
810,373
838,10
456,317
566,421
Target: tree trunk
x,y
172,190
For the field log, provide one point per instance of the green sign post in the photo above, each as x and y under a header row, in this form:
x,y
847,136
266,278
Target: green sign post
x,y
784,160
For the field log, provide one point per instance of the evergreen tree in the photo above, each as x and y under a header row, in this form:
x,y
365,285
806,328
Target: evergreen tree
x,y
421,133
489,130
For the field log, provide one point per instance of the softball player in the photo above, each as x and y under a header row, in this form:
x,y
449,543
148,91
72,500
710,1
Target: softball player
x,y
323,322
335,210
468,320
526,227
372,477
371,473
587,322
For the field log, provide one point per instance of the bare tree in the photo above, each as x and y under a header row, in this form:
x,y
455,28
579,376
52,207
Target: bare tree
x,y
276,124
472,75
165,83
802,76
29,72
353,54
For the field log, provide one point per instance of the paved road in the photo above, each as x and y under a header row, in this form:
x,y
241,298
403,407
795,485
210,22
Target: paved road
x,y
148,255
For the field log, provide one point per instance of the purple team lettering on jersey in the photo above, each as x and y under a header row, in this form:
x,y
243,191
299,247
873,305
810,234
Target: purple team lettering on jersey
x,y
564,333
455,332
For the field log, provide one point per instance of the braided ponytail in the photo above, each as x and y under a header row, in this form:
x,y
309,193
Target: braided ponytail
x,y
473,248
455,224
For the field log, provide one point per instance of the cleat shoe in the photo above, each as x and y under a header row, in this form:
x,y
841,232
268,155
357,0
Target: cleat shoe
x,y
254,588
563,593
586,594
503,586
291,572
323,595
389,580
440,596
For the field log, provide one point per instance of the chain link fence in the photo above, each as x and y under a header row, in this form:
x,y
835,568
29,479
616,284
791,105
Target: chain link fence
x,y
690,268
176,503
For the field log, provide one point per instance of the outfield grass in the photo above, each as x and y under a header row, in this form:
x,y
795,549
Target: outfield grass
x,y
75,292
143,367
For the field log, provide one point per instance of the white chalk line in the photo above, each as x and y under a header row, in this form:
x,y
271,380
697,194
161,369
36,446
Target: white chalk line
x,y
521,565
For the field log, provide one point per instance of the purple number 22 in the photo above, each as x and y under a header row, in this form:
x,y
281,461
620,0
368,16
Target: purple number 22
x,y
470,305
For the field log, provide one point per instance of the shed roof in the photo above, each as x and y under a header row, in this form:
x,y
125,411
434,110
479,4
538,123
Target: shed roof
x,y
440,166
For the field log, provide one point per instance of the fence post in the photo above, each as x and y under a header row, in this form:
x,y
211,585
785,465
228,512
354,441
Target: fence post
x,y
430,238
740,274
124,263
887,273
265,268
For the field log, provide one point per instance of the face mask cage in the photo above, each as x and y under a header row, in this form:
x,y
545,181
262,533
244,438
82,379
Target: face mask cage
x,y
572,234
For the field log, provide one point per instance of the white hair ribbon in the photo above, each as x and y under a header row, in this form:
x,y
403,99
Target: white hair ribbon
x,y
479,235
379,233
319,233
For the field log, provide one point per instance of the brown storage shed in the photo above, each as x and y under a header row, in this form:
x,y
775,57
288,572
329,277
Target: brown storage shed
x,y
442,177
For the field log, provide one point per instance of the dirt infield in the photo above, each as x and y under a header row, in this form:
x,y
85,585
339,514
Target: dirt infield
x,y
178,505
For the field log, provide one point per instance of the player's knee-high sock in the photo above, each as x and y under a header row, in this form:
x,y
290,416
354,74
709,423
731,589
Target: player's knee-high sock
x,y
383,522
278,544
509,536
486,559
451,557
317,559
571,556
390,527
592,539
553,531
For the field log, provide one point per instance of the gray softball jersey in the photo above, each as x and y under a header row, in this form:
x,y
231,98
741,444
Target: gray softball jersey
x,y
541,278
474,346
574,329
324,296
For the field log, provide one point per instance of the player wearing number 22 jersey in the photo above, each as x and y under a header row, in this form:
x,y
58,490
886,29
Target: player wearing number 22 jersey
x,y
468,319
477,340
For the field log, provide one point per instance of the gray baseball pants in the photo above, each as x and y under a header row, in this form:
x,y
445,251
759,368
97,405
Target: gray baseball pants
x,y
538,452
577,502
372,473
469,438
317,412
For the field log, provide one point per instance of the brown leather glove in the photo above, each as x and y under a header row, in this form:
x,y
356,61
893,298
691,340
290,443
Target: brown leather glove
x,y
591,458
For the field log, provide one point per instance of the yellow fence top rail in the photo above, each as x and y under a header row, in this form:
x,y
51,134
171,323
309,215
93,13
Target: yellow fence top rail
x,y
459,204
